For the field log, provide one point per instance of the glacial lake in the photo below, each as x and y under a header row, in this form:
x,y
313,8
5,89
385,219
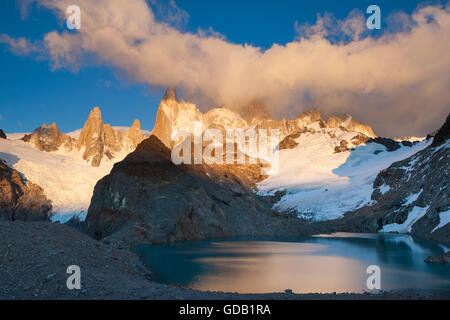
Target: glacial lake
x,y
324,263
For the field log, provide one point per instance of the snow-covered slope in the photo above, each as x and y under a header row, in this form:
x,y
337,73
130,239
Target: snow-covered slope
x,y
321,184
68,181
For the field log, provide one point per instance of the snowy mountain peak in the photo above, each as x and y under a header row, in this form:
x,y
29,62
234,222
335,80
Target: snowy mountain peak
x,y
173,115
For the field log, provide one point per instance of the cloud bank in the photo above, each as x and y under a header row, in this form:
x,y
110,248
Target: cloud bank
x,y
399,82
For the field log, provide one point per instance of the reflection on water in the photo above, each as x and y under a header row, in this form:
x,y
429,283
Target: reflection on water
x,y
328,263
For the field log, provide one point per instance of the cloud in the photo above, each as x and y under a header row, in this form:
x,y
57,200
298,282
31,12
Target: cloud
x,y
20,46
398,82
1,117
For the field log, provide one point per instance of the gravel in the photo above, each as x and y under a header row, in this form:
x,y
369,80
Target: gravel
x,y
34,257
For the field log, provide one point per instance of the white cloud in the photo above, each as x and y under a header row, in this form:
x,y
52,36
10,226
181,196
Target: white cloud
x,y
399,82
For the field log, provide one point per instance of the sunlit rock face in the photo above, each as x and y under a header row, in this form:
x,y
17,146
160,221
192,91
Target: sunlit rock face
x,y
176,115
97,141
21,199
48,138
350,124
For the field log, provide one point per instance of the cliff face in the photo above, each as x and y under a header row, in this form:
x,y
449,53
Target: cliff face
x,y
148,199
174,115
21,199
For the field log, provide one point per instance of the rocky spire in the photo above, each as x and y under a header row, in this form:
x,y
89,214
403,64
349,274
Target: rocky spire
x,y
92,127
171,94
173,115
98,139
2,134
133,136
168,108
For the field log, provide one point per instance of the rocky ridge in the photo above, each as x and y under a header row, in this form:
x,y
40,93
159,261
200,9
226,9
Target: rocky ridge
x,y
34,267
20,199
97,140
173,114
411,196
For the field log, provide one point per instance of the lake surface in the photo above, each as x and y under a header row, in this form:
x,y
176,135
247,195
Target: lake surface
x,y
327,263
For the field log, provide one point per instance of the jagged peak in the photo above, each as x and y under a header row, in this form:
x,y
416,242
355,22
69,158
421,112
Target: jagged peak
x,y
255,110
314,114
45,128
171,94
136,124
95,113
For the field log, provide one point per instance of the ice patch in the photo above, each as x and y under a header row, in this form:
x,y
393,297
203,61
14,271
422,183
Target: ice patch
x,y
68,181
412,198
444,219
323,185
384,188
413,216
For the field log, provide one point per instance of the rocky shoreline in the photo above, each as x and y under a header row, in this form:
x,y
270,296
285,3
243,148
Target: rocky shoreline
x,y
35,255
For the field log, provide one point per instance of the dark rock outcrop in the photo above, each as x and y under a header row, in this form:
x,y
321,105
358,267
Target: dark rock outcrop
x,y
21,199
390,144
443,134
148,199
2,134
444,258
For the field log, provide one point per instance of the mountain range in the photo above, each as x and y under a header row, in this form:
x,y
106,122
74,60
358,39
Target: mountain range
x,y
333,175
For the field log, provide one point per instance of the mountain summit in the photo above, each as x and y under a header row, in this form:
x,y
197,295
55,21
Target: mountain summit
x,y
96,141
175,115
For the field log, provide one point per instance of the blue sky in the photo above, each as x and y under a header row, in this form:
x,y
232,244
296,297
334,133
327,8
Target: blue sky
x,y
31,93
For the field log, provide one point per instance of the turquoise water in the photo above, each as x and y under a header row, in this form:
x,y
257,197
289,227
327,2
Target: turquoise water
x,y
328,263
